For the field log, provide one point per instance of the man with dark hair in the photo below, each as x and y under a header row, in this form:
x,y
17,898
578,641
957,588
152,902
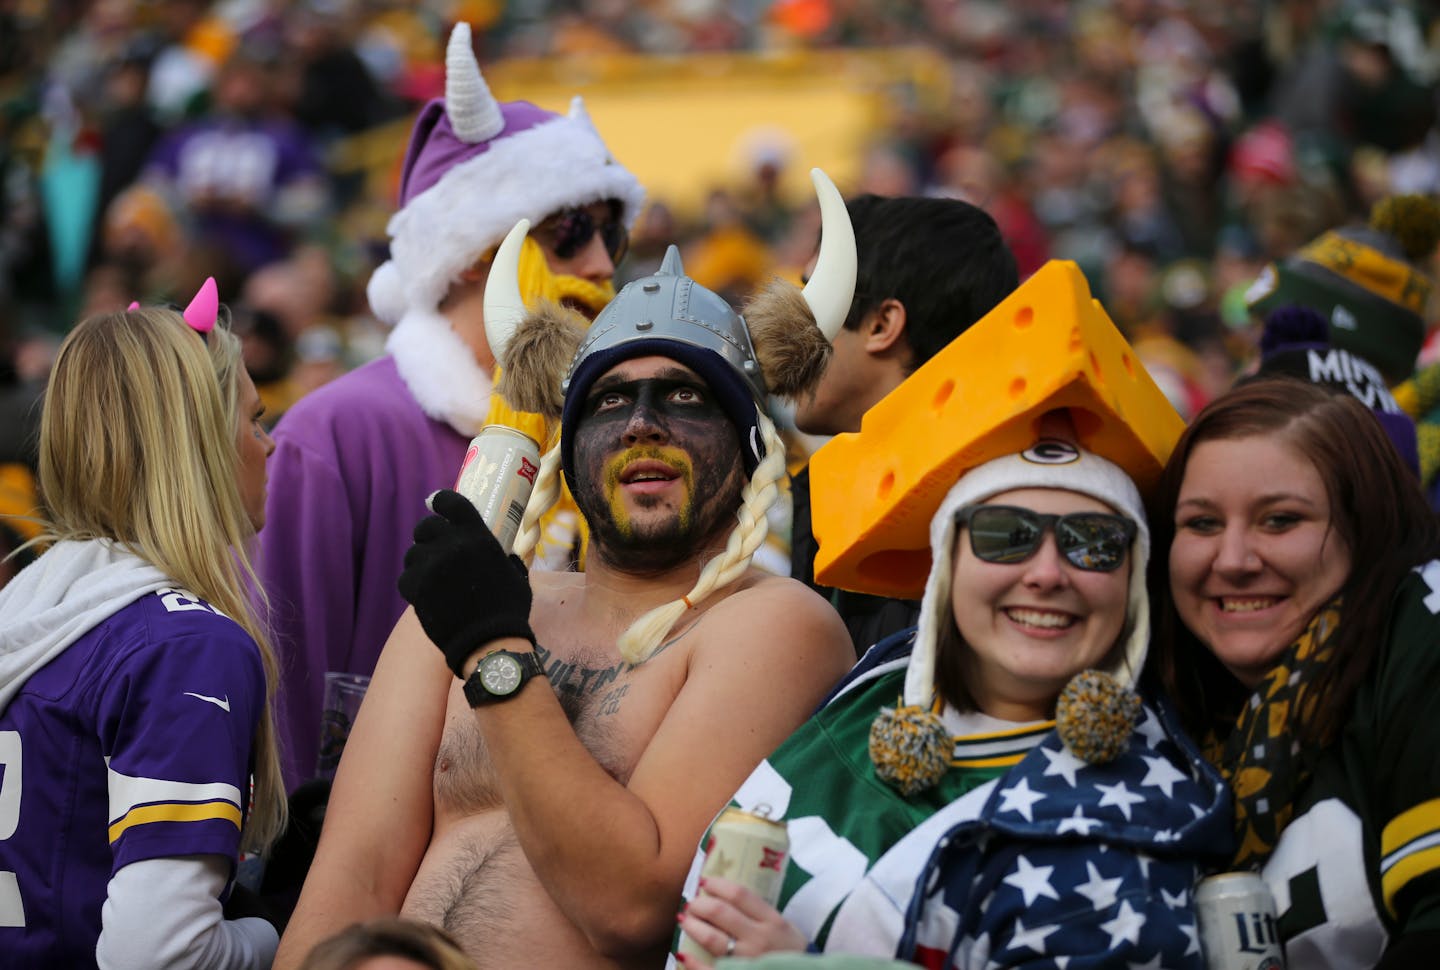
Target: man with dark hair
x,y
927,269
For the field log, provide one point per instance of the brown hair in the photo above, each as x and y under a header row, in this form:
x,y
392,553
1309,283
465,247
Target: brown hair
x,y
393,936
1376,508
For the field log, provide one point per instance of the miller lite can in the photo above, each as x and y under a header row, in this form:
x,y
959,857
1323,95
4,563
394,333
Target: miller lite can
x,y
1236,913
498,476
745,847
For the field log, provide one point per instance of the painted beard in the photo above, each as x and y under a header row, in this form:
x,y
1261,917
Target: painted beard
x,y
643,529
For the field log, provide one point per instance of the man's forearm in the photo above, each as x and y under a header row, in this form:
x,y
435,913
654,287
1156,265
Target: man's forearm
x,y
578,826
333,899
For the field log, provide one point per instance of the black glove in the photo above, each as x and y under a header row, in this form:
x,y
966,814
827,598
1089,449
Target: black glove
x,y
464,588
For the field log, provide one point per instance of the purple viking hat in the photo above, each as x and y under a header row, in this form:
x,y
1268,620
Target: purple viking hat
x,y
475,167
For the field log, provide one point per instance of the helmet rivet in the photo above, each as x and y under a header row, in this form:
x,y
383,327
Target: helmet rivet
x,y
749,366
644,325
651,287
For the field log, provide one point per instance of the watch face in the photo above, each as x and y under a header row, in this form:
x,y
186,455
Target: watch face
x,y
500,673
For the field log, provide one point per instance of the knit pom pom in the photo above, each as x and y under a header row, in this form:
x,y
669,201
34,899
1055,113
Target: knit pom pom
x,y
910,748
1414,221
386,292
1293,324
1095,716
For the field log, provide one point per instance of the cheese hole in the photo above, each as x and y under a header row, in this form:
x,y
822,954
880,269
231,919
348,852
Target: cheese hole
x,y
942,394
1024,317
887,485
1017,387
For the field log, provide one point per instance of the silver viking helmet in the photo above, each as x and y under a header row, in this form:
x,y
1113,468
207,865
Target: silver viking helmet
x,y
781,348
670,306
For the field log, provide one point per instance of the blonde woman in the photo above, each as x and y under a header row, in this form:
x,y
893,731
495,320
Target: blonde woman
x,y
137,757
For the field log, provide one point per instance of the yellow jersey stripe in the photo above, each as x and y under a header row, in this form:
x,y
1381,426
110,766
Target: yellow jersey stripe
x,y
1397,875
205,811
1004,761
1410,824
1041,728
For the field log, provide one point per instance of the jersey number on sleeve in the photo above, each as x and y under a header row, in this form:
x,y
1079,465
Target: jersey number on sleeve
x,y
12,913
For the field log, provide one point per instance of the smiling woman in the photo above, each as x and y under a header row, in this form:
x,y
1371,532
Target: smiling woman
x,y
1300,643
1019,771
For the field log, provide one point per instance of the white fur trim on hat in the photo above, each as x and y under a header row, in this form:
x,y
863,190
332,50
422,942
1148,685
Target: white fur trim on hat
x,y
527,175
1048,463
441,371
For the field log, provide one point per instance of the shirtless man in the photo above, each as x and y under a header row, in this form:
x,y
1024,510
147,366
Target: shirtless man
x,y
553,825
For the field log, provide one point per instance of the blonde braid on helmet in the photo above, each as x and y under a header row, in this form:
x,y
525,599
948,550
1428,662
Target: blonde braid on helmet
x,y
646,634
542,498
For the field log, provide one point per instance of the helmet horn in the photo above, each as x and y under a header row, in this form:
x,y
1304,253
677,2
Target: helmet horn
x,y
504,306
832,285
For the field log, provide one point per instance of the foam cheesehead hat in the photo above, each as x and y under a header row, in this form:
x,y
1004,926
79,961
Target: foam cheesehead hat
x,y
1365,282
780,345
473,168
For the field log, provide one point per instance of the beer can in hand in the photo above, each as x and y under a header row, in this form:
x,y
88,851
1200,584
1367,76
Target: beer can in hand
x,y
749,848
498,476
1236,914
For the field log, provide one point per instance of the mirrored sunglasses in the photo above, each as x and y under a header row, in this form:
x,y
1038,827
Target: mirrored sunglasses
x,y
569,231
1094,541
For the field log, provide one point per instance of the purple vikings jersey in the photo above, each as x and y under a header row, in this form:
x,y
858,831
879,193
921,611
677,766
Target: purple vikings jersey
x,y
133,744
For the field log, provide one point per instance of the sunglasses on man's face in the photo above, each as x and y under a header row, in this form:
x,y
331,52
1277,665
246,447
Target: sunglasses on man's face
x,y
569,231
1094,541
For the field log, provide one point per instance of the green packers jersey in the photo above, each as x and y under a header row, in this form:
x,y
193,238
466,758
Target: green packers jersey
x,y
1360,862
841,816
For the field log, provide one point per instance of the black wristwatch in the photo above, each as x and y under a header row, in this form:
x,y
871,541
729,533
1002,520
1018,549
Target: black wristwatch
x,y
499,675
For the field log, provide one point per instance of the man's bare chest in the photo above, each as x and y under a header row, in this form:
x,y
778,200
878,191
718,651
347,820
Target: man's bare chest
x,y
614,708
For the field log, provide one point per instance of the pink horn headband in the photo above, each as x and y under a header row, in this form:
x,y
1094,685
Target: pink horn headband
x,y
203,309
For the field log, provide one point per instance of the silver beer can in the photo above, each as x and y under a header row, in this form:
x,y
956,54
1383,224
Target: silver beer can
x,y
745,847
1238,931
498,476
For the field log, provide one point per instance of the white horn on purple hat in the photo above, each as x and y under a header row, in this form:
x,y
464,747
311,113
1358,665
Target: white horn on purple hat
x,y
473,111
504,306
832,285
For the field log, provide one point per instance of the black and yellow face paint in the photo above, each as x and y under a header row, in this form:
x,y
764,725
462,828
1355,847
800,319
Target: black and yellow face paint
x,y
666,416
674,458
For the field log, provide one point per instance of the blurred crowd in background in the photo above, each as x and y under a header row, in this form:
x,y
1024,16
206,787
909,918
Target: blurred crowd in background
x,y
1171,148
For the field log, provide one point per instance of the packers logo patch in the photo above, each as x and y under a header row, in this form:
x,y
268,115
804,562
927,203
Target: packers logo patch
x,y
1051,451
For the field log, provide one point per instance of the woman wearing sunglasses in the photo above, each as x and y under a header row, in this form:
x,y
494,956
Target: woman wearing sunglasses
x,y
964,826
1302,646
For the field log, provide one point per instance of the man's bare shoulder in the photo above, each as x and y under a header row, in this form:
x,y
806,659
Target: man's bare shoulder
x,y
766,610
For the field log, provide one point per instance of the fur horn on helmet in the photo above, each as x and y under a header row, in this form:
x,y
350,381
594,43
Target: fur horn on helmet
x,y
832,284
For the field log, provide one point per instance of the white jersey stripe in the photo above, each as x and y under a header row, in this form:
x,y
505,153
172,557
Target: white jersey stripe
x,y
128,791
